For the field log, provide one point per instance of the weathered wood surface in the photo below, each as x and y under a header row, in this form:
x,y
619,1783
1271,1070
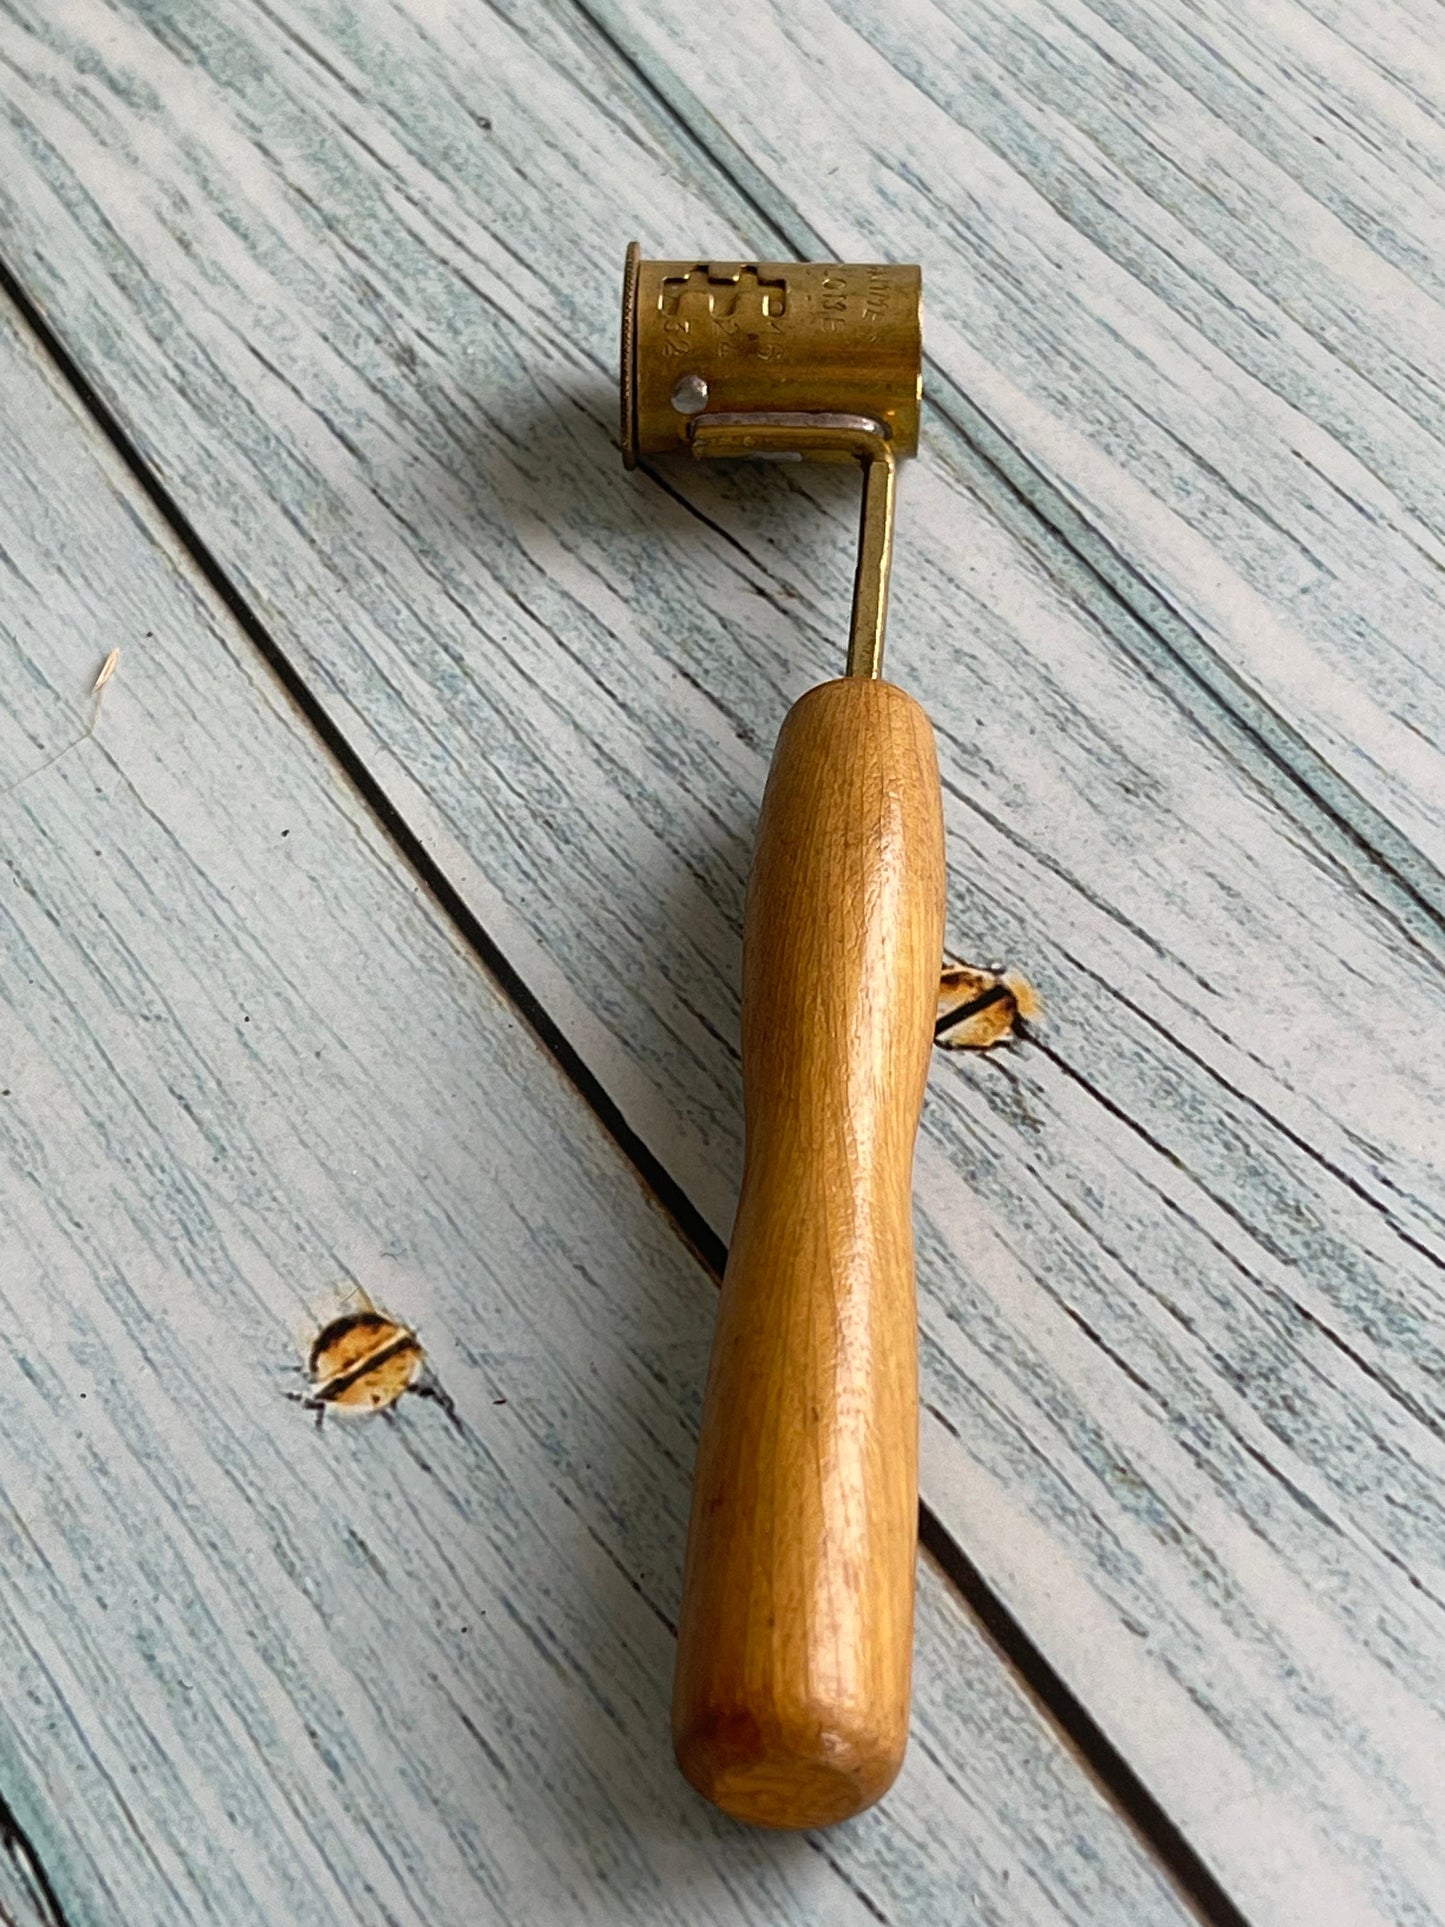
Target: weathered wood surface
x,y
347,279
406,1674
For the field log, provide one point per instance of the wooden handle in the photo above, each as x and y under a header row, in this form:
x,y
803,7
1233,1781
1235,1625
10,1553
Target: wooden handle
x,y
790,1705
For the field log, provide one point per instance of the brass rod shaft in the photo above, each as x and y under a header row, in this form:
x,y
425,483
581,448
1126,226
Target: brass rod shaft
x,y
875,560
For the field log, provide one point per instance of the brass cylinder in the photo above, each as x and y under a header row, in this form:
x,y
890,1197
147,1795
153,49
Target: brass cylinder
x,y
702,338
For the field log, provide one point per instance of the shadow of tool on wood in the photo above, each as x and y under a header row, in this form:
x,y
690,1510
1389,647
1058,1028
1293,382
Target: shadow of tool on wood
x,y
577,547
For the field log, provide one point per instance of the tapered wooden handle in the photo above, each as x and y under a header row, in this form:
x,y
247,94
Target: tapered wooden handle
x,y
790,1704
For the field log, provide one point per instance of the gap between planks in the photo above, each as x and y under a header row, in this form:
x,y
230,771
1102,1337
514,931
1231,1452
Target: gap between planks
x,y
27,1896
1194,1882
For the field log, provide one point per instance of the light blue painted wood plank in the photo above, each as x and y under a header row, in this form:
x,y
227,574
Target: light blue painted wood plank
x,y
1190,266
348,279
260,1673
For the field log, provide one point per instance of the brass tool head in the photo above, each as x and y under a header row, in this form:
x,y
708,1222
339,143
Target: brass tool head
x,y
781,361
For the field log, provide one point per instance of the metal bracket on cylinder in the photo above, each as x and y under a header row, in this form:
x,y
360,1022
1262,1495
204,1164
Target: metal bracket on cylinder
x,y
782,361
798,436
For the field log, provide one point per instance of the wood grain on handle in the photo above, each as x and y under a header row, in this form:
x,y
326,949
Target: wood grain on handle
x,y
790,1705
